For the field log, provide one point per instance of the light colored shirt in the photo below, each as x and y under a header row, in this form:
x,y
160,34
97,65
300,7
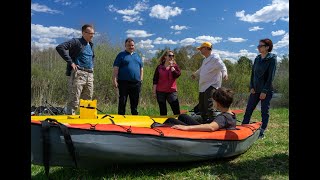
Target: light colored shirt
x,y
211,72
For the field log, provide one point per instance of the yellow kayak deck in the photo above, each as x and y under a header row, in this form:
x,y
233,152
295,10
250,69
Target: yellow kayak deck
x,y
128,120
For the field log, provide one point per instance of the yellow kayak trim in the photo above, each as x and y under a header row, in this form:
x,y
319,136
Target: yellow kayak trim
x,y
128,120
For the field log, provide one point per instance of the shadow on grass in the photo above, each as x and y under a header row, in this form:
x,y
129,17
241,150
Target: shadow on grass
x,y
278,164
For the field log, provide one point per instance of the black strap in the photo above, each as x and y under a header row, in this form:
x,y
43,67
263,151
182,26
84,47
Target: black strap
x,y
88,107
46,142
45,145
129,130
68,141
159,131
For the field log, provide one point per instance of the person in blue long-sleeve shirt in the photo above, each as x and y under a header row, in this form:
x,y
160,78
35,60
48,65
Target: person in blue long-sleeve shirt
x,y
261,89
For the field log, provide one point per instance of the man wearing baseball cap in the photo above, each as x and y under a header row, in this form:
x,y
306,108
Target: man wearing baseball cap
x,y
210,76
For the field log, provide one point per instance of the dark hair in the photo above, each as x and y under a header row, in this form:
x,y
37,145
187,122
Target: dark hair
x,y
128,40
268,42
223,96
84,27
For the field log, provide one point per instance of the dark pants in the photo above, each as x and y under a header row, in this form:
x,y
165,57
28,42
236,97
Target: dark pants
x,y
251,105
172,99
184,119
133,90
206,107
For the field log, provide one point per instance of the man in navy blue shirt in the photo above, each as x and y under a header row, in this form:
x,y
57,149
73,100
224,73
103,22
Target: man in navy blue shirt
x,y
79,55
127,77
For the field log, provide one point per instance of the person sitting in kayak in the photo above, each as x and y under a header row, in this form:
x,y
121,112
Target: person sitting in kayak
x,y
223,99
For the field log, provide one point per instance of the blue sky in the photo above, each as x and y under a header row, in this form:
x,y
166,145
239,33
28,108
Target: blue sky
x,y
233,26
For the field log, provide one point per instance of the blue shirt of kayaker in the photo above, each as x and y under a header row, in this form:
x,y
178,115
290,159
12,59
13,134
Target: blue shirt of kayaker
x,y
84,59
129,66
263,71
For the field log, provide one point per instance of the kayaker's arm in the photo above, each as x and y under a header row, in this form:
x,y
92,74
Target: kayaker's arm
x,y
213,126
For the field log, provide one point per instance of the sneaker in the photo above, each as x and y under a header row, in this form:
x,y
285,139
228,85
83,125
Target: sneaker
x,y
261,136
261,133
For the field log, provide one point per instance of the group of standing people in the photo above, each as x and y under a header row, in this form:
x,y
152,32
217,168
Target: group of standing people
x,y
214,100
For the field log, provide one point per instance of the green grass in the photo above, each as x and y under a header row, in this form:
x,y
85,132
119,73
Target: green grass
x,y
268,158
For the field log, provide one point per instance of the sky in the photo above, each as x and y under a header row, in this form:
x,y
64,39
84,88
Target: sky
x,y
234,27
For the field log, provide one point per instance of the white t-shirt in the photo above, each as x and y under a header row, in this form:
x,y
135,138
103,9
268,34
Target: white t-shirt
x,y
211,72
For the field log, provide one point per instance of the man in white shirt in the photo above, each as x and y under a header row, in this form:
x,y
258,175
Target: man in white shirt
x,y
210,76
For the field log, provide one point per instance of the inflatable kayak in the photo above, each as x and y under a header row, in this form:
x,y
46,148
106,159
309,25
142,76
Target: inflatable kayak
x,y
103,140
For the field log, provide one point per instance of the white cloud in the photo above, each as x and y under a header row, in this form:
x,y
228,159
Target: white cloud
x,y
161,12
132,19
42,46
177,32
141,6
43,8
255,28
147,44
187,41
128,12
284,42
173,2
65,2
47,40
137,33
131,15
44,43
46,37
178,28
234,56
213,40
236,39
279,58
160,40
111,8
39,31
285,19
200,39
153,52
279,9
193,9
278,33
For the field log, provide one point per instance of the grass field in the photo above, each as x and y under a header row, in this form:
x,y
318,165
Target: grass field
x,y
268,158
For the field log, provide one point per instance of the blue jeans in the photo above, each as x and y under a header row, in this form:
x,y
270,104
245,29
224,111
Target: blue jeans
x,y
251,105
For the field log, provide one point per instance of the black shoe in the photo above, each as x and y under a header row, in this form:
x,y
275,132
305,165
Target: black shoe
x,y
261,136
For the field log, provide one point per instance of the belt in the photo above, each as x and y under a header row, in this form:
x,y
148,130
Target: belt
x,y
84,69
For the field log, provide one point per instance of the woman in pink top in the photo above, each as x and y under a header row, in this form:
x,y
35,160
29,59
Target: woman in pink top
x,y
165,83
